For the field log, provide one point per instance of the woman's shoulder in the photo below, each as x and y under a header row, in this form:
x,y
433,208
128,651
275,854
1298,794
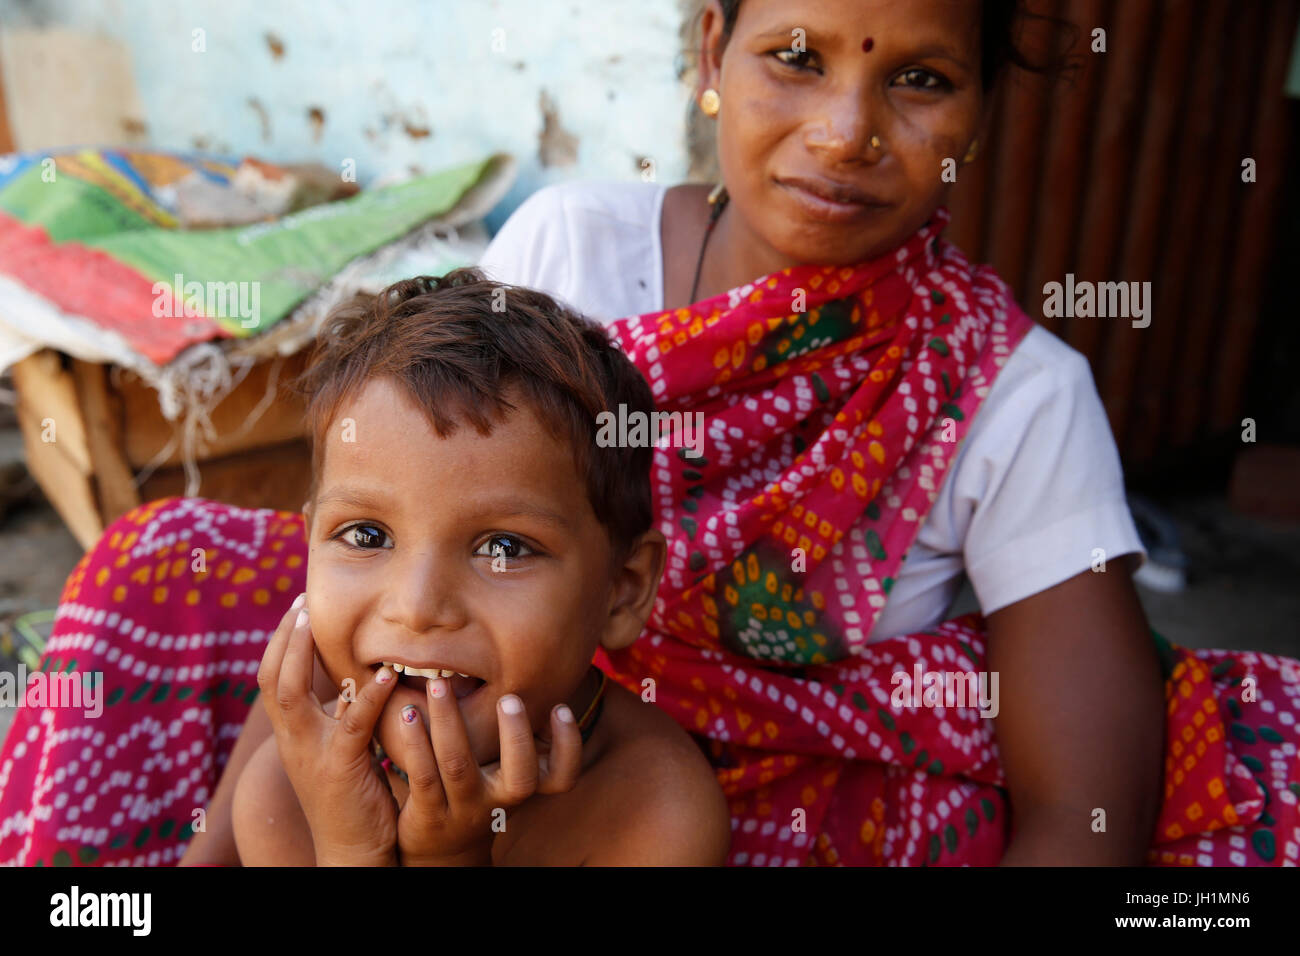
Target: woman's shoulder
x,y
1044,363
592,244
1043,398
557,205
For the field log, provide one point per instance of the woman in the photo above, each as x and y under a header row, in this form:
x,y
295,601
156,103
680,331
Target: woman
x,y
820,267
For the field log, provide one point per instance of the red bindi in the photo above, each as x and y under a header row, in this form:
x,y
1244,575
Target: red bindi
x,y
867,44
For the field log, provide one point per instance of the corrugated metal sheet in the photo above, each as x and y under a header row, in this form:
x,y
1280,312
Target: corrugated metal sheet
x,y
1130,169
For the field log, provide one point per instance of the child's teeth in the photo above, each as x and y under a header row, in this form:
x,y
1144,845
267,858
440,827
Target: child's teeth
x,y
425,671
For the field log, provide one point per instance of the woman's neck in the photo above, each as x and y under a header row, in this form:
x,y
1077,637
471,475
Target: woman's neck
x,y
734,255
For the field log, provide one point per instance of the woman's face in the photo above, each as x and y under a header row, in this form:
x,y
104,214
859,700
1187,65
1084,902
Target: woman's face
x,y
806,84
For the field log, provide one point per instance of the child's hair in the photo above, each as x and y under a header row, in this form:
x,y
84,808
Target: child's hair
x,y
456,344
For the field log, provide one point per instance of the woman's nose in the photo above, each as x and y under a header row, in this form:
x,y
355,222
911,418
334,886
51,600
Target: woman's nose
x,y
843,129
421,594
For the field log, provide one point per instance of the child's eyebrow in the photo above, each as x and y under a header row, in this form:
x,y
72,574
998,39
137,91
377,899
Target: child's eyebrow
x,y
356,497
509,508
516,509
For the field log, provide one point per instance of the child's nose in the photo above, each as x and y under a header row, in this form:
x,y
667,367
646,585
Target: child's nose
x,y
422,594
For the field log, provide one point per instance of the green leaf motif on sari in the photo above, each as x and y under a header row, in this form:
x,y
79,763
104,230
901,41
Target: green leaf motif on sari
x,y
874,547
764,616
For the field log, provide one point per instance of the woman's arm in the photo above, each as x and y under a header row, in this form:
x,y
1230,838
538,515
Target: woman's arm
x,y
1080,726
217,843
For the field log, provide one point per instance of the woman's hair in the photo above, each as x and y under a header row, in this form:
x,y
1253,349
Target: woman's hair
x,y
1001,21
458,344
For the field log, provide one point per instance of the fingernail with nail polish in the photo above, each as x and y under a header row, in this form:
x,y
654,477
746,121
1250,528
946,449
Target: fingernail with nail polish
x,y
384,676
302,619
564,713
299,600
437,687
511,704
409,713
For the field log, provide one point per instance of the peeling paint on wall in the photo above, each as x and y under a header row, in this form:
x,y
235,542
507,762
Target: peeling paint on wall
x,y
556,146
401,83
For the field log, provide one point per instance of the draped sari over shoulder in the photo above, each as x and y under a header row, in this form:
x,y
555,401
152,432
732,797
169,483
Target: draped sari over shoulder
x,y
834,399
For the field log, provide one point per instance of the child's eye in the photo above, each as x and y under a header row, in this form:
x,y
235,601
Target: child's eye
x,y
798,59
504,546
922,79
366,537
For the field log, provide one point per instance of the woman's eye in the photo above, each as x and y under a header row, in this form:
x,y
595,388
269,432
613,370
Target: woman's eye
x,y
364,536
504,546
922,79
795,59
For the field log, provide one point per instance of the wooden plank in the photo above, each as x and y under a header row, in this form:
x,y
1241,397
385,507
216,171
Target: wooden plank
x,y
46,392
67,486
6,138
101,410
275,477
147,432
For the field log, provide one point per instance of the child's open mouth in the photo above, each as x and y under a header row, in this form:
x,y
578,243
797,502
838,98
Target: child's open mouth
x,y
462,685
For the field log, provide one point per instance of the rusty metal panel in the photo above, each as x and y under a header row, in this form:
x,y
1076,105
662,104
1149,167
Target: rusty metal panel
x,y
1128,168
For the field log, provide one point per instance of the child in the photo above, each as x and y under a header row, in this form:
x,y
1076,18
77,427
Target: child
x,y
463,522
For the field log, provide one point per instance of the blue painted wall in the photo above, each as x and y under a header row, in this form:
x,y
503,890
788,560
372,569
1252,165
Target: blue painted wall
x,y
392,84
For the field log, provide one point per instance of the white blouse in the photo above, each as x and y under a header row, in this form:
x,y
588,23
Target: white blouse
x,y
1033,489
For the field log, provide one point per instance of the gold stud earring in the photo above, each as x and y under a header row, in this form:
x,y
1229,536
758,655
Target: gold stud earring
x,y
875,142
710,102
972,152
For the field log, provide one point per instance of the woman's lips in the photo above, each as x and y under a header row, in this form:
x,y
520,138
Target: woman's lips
x,y
830,210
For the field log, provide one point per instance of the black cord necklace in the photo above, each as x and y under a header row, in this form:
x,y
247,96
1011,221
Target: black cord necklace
x,y
718,201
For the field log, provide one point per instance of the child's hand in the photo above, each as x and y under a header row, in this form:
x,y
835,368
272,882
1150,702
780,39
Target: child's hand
x,y
448,815
350,810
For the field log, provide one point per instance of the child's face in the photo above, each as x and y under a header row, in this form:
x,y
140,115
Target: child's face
x,y
812,115
403,532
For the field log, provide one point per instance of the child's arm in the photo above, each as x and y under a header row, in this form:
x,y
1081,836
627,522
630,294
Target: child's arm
x,y
267,822
216,843
1080,726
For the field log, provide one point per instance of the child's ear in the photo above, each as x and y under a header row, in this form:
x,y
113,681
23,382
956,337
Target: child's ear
x,y
636,582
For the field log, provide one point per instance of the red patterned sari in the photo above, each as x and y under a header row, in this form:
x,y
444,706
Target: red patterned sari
x,y
834,400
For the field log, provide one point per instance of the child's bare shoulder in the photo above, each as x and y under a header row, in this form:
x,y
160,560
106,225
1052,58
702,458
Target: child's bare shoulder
x,y
648,797
269,827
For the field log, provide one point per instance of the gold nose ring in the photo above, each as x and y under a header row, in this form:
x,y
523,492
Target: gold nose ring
x,y
875,142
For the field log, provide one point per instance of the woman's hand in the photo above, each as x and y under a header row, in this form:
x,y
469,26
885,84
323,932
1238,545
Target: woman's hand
x,y
349,808
449,812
